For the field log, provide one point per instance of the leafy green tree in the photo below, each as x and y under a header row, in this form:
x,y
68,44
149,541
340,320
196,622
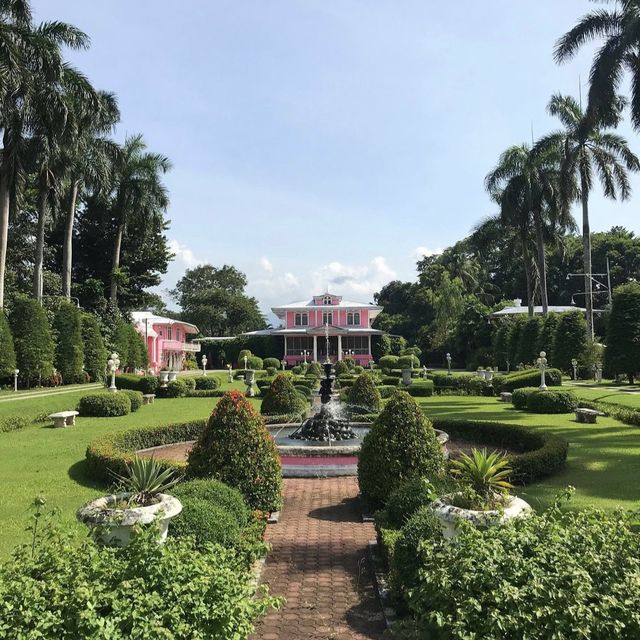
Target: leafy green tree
x,y
448,304
214,299
138,355
7,352
501,344
95,351
588,150
622,354
514,341
619,27
528,340
570,340
69,356
33,341
547,336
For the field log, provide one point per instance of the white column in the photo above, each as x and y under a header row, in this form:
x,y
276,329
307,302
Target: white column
x,y
315,348
339,347
284,357
369,345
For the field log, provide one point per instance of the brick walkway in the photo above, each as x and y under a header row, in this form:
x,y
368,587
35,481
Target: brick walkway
x,y
318,563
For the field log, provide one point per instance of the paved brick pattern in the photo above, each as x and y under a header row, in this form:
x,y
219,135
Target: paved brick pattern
x,y
318,563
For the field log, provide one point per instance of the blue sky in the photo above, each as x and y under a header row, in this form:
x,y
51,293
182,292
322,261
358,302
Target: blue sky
x,y
329,142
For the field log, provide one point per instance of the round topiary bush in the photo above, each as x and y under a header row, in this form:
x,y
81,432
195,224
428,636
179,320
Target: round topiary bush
x,y
104,405
552,401
148,384
207,382
341,368
364,393
304,390
271,371
216,493
271,362
255,363
206,522
520,397
387,363
401,444
175,389
282,398
235,447
135,397
314,370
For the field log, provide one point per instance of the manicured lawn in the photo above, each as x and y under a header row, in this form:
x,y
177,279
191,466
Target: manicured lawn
x,y
42,460
603,462
629,399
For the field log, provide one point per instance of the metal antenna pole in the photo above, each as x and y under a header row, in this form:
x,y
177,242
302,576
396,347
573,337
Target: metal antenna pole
x,y
609,281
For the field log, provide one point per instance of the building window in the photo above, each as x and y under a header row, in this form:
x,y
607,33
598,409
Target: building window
x,y
178,334
327,317
326,300
169,333
302,319
358,344
296,344
353,319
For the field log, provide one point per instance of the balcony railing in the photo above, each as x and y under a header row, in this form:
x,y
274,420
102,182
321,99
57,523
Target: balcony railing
x,y
176,345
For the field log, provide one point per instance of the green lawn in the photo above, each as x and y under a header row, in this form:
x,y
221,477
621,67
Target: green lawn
x,y
40,459
603,462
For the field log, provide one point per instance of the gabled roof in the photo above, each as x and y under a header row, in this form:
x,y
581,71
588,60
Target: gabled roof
x,y
146,317
343,304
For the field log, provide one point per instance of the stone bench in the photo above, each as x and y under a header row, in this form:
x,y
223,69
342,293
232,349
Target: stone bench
x,y
587,416
506,396
63,418
148,398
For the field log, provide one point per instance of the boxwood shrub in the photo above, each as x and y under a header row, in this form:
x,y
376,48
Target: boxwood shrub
x,y
12,423
387,390
552,401
390,381
539,453
305,391
205,393
189,383
135,397
144,384
216,493
110,454
422,389
365,395
282,398
530,378
520,397
104,405
271,363
401,444
175,389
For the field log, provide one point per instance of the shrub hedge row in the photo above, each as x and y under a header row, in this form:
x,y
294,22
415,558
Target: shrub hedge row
x,y
135,397
144,384
549,401
530,378
104,405
205,393
12,423
422,389
624,414
539,453
111,453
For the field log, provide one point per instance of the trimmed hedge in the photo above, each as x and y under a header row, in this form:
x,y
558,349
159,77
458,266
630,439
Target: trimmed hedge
x,y
175,389
539,401
390,381
282,398
542,453
626,415
218,493
364,394
530,378
387,390
422,389
282,418
207,382
144,384
135,397
104,405
12,423
205,393
112,453
206,523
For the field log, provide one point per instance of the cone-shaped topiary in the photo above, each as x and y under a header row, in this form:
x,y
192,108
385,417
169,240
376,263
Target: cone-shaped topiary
x,y
282,398
570,340
7,353
95,352
401,444
236,448
623,333
32,340
69,348
364,393
528,340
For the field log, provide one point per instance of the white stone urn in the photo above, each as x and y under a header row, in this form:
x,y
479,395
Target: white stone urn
x,y
449,516
164,378
249,379
172,375
406,377
114,525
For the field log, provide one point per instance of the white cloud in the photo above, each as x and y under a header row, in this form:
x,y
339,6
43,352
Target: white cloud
x,y
265,263
184,254
425,252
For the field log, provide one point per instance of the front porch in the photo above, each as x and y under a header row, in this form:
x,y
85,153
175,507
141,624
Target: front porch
x,y
320,348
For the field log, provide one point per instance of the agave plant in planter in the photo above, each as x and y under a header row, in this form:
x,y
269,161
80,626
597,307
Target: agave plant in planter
x,y
140,500
484,497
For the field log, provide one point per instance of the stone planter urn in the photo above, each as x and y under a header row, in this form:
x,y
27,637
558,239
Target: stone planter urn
x,y
172,375
114,525
249,379
449,516
406,377
164,378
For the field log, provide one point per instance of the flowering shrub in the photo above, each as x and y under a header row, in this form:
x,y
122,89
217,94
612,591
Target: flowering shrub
x,y
236,448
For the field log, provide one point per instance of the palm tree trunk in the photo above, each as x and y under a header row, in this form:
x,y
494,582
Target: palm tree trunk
x,y
115,264
67,244
586,250
527,272
4,226
43,195
542,263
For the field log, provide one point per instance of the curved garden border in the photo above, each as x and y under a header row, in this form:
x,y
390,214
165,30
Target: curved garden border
x,y
542,453
111,453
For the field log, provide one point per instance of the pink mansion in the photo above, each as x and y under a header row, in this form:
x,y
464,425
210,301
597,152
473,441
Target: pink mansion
x,y
310,326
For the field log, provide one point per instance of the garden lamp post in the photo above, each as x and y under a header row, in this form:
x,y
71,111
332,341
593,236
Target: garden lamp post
x,y
204,365
371,363
245,363
574,364
449,364
114,363
230,373
284,364
542,363
305,353
15,379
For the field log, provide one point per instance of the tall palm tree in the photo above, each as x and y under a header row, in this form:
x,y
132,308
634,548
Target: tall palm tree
x,y
587,148
88,158
29,55
530,178
620,29
138,191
